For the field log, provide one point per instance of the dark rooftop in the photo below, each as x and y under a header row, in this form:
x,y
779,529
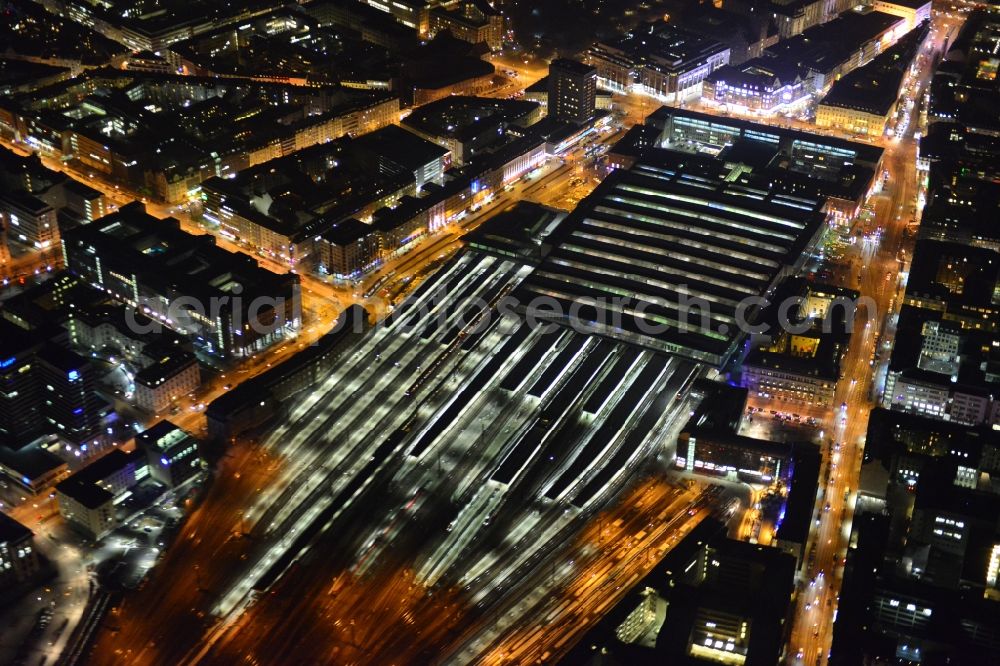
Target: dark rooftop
x,y
796,523
404,148
450,116
874,88
83,484
30,463
12,531
165,367
347,231
517,232
571,66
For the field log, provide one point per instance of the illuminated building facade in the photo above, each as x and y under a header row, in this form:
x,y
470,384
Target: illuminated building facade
x,y
760,85
914,12
29,221
572,91
223,301
88,498
171,453
19,561
168,379
657,59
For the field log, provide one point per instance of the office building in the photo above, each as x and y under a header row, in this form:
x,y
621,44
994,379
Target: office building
x,y
46,389
88,498
29,221
941,368
840,171
914,12
960,282
153,137
965,88
470,126
85,202
866,100
396,151
67,392
21,417
657,59
761,85
171,377
889,612
800,364
347,250
572,91
787,76
32,470
223,301
745,35
110,327
411,13
19,561
278,208
474,21
171,453
963,185
375,26
711,600
908,444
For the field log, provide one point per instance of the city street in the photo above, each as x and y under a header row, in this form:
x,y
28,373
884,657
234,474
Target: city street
x,y
882,273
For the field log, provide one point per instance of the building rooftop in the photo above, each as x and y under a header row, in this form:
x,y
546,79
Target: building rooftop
x,y
826,47
796,521
667,229
854,152
11,531
571,66
817,349
173,260
954,274
84,485
27,202
30,29
162,437
456,115
518,232
705,580
16,341
29,464
808,164
63,359
397,146
893,432
720,409
763,73
81,189
347,232
663,47
966,87
874,88
177,125
17,74
539,86
84,492
173,363
911,4
740,32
